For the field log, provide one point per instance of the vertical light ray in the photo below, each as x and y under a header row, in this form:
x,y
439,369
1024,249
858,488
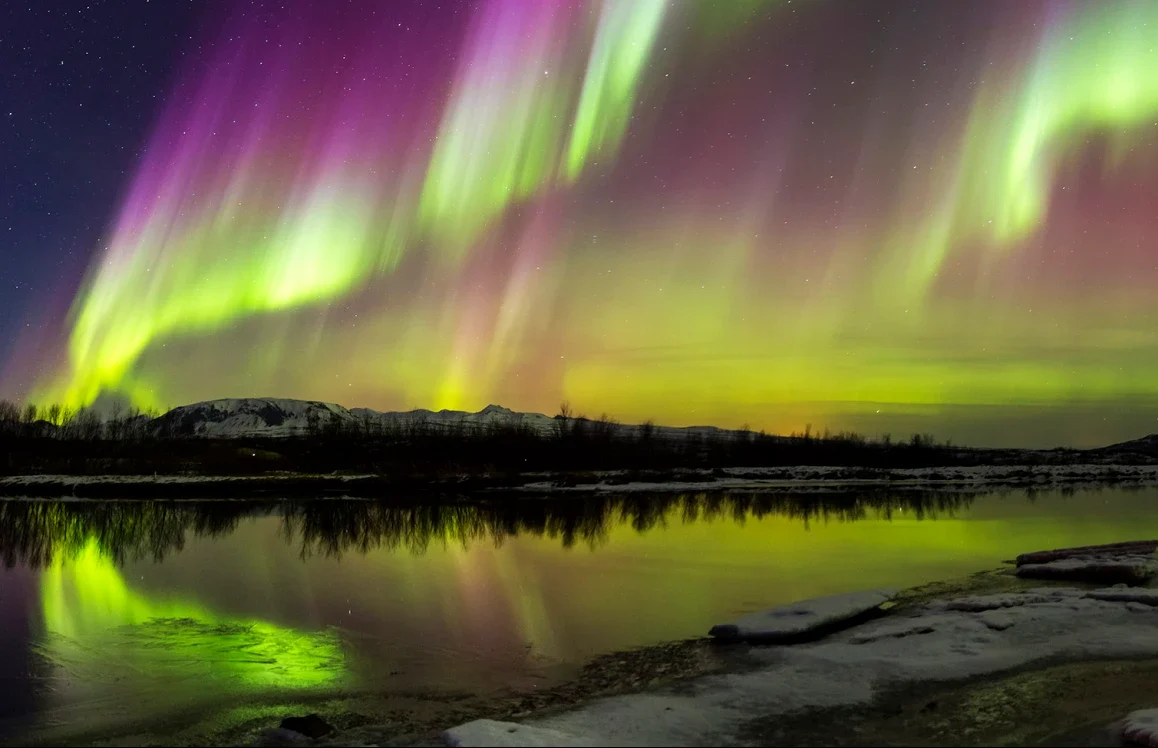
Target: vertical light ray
x,y
627,30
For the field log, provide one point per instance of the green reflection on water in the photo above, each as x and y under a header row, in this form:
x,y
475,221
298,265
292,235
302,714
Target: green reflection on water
x,y
89,609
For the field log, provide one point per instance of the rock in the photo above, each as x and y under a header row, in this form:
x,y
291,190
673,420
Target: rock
x,y
1140,728
274,737
1131,547
489,732
1093,569
1145,596
898,630
311,725
807,617
1000,601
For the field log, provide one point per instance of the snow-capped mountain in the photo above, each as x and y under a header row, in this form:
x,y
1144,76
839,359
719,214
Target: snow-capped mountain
x,y
248,416
284,417
273,417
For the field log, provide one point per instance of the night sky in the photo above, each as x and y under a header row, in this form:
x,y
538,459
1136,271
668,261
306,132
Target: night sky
x,y
885,216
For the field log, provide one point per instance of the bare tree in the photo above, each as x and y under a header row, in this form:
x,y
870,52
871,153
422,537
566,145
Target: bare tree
x,y
563,419
605,427
89,426
132,430
67,414
9,416
114,424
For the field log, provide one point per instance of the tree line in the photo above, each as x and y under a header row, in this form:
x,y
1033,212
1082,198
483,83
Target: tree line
x,y
55,439
74,424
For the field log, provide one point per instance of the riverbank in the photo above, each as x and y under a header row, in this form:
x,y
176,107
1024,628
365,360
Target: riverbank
x,y
1020,664
991,659
770,480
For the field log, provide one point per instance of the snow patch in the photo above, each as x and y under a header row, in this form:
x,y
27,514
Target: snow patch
x,y
937,641
489,732
807,476
1141,727
1144,595
1128,548
1127,569
801,617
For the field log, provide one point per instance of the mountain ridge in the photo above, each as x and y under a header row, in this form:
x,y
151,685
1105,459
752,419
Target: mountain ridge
x,y
282,417
273,417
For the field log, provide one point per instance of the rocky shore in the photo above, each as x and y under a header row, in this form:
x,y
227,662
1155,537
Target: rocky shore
x,y
995,658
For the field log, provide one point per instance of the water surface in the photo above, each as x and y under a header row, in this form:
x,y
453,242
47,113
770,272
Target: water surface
x,y
113,613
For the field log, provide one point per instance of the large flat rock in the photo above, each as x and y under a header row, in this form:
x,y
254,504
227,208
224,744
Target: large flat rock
x,y
799,619
489,732
1142,595
1094,569
1140,728
1127,548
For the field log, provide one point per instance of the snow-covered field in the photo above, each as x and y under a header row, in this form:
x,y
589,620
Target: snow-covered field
x,y
769,478
738,479
942,640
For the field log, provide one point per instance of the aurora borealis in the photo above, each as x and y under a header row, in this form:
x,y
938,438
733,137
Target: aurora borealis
x,y
886,216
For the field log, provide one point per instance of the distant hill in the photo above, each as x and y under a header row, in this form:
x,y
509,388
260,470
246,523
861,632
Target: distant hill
x,y
247,416
281,417
1147,445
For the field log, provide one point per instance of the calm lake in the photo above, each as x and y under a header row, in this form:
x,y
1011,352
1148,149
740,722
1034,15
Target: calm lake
x,y
117,613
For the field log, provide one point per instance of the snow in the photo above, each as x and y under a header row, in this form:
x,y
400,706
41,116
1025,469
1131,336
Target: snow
x,y
488,732
280,417
250,417
1141,727
801,617
942,640
821,477
75,480
1127,548
796,480
1093,569
1143,595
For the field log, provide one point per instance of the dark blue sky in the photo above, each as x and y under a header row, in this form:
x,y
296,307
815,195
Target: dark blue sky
x,y
80,82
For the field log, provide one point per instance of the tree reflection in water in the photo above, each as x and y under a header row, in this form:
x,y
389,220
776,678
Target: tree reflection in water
x,y
36,533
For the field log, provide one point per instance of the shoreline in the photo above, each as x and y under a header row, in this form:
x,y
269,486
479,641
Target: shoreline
x,y
1043,699
799,479
1002,702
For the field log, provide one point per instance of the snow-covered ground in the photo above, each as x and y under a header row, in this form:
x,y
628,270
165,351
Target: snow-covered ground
x,y
1126,568
737,479
1141,727
757,478
942,640
801,617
